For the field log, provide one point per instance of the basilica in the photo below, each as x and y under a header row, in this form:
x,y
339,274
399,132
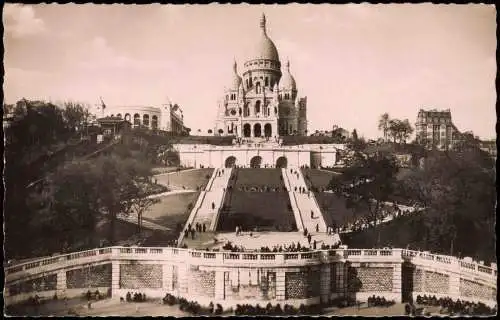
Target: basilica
x,y
263,101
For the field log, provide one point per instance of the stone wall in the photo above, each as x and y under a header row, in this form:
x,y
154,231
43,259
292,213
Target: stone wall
x,y
302,284
375,279
436,282
138,276
201,283
474,289
91,277
229,279
44,283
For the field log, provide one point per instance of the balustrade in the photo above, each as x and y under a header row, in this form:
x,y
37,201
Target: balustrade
x,y
236,256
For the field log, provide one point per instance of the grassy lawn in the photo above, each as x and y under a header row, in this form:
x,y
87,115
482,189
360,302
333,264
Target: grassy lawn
x,y
258,177
263,209
318,178
172,209
190,179
334,208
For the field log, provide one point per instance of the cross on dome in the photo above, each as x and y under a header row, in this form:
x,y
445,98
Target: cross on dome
x,y
263,23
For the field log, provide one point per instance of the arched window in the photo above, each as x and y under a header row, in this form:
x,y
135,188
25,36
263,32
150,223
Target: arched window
x,y
257,87
119,115
127,116
137,119
154,122
287,96
145,120
246,110
257,107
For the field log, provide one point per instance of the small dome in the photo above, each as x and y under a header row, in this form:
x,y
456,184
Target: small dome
x,y
236,79
264,48
287,81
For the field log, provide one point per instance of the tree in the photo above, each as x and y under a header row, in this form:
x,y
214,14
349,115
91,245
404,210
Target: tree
x,y
383,124
76,116
354,135
120,181
399,130
457,189
367,182
210,131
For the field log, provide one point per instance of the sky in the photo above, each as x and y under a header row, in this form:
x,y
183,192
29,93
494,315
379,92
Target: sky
x,y
353,62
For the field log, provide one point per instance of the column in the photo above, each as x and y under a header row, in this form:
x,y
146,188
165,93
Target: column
x,y
325,283
397,279
61,283
341,278
167,277
219,285
280,285
454,282
182,276
115,279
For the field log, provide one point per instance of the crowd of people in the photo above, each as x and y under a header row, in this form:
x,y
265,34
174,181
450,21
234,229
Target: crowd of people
x,y
270,310
376,301
192,307
276,248
198,227
453,307
134,297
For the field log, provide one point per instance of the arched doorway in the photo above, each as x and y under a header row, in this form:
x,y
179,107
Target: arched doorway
x,y
268,130
256,162
281,162
230,162
246,130
257,130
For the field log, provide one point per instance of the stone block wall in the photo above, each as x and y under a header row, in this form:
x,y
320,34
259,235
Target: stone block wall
x,y
418,280
375,279
91,277
476,290
201,283
302,284
39,284
436,282
137,276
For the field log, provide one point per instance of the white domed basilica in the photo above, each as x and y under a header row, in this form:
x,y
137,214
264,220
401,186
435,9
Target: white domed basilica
x,y
263,102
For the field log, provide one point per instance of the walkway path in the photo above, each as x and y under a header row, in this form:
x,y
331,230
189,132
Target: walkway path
x,y
132,218
306,202
293,201
207,207
270,239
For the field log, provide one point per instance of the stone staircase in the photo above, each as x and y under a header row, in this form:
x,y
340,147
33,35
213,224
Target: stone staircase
x,y
293,201
306,202
203,213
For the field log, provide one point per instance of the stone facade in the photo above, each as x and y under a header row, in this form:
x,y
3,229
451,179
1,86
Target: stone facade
x,y
264,102
435,128
137,276
91,277
263,154
167,117
233,278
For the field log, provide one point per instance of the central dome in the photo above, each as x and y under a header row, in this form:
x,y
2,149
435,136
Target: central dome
x,y
264,48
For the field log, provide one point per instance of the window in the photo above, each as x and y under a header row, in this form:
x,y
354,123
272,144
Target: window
x,y
287,96
137,119
267,81
145,120
154,122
